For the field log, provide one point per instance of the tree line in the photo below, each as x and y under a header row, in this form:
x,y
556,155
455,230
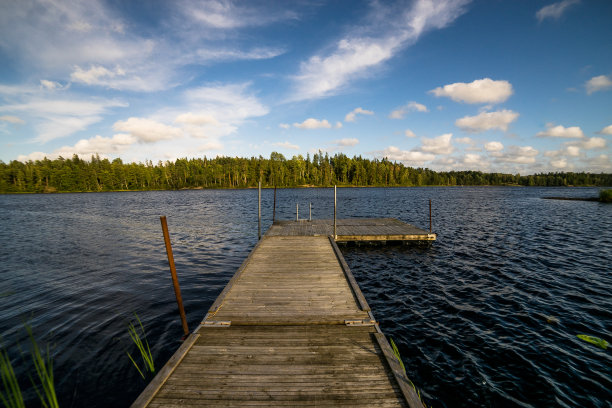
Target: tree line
x,y
321,170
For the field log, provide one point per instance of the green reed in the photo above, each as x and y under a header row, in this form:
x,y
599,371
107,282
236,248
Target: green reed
x,y
11,395
43,362
399,358
605,196
143,347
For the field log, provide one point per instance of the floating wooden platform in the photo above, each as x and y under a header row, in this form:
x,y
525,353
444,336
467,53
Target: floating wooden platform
x,y
291,328
353,229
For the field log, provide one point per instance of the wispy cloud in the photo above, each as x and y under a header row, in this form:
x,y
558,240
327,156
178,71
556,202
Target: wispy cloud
x,y
347,142
387,31
556,10
12,119
60,117
286,145
350,117
402,111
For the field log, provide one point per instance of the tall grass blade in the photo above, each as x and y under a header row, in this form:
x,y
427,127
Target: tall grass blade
x,y
11,395
43,363
142,346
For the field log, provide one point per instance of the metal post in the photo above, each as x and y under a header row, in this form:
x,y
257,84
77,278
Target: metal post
x,y
430,215
259,213
274,206
310,212
297,212
335,236
177,289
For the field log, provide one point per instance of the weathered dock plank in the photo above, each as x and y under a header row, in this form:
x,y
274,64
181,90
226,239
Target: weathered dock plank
x,y
291,328
353,230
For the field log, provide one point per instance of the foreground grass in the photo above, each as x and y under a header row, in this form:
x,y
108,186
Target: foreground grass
x,y
605,196
142,346
10,395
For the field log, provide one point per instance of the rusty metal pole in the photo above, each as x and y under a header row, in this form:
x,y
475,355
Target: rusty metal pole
x,y
430,215
177,289
274,206
259,213
335,236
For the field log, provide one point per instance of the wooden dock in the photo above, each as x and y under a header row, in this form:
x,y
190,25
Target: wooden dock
x,y
353,230
291,328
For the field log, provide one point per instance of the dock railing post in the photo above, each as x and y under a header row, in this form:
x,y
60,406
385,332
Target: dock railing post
x,y
335,236
274,206
177,289
310,212
297,212
430,229
259,213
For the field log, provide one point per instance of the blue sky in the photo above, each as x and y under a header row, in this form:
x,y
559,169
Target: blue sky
x,y
519,86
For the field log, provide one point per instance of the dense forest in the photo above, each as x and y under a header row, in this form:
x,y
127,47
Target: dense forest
x,y
96,174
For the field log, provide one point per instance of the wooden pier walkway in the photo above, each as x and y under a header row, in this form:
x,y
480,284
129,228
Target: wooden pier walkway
x,y
291,328
354,230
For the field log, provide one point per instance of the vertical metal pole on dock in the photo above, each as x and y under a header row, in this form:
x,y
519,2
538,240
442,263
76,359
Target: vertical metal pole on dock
x,y
259,212
310,212
274,206
335,236
297,212
177,289
430,215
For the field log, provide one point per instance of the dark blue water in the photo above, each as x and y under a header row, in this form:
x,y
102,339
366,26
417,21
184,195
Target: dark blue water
x,y
470,314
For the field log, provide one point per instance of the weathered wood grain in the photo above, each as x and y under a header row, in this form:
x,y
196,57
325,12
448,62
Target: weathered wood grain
x,y
288,343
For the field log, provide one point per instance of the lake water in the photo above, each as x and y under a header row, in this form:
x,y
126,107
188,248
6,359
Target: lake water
x,y
487,316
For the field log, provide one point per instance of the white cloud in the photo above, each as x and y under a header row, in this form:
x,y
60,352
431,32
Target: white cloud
x,y
412,157
95,75
518,155
350,117
555,10
338,125
51,85
598,83
227,15
409,133
284,125
400,112
56,118
493,146
559,163
204,55
287,145
606,131
87,147
573,151
147,130
347,142
591,143
465,140
487,121
226,103
197,119
560,131
472,158
438,145
484,90
357,54
12,119
312,123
